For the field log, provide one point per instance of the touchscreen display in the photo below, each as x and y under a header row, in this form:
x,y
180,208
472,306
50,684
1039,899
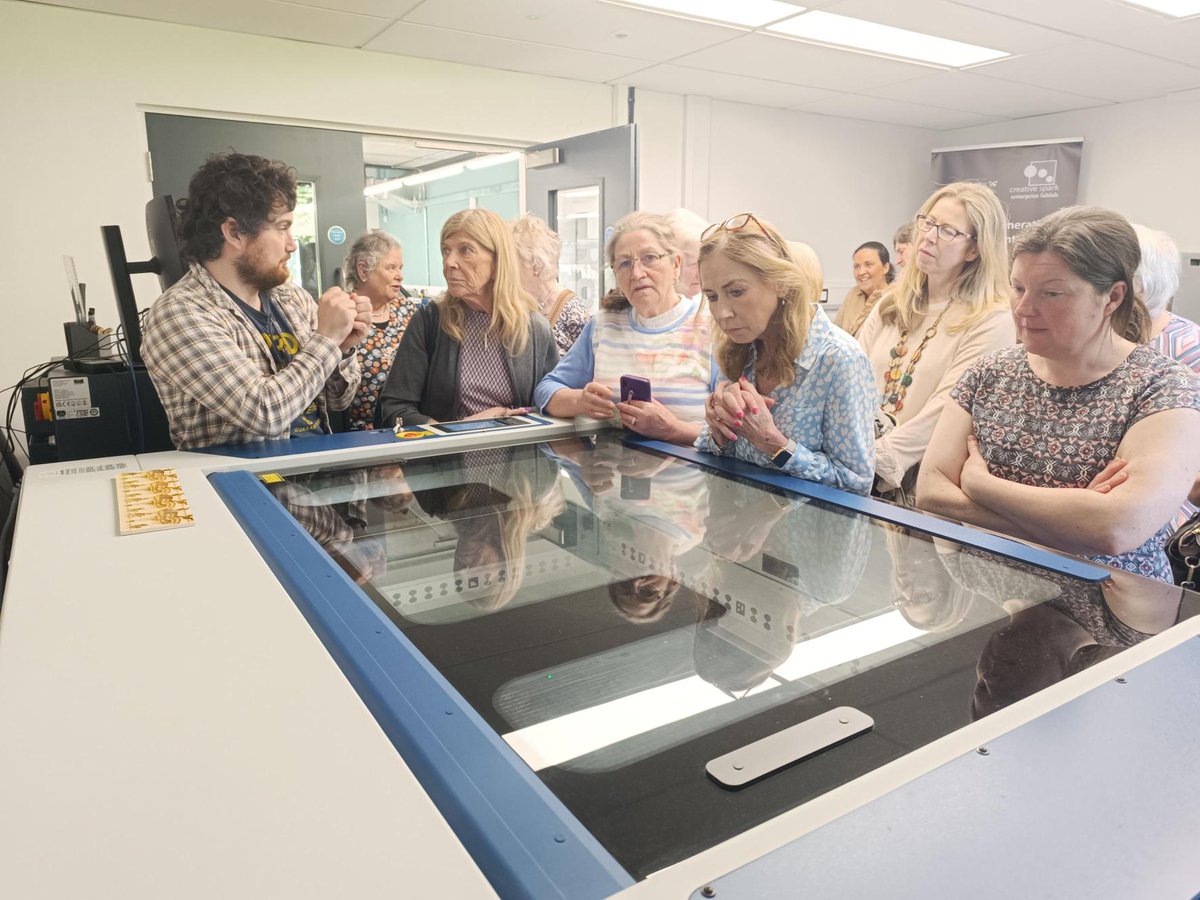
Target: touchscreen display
x,y
482,424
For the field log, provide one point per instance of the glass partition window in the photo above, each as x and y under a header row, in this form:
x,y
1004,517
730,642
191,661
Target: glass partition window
x,y
620,618
577,221
304,265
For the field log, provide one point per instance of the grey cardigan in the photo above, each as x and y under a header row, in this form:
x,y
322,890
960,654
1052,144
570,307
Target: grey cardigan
x,y
423,381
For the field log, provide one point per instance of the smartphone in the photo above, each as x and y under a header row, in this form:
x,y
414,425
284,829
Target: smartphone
x,y
635,387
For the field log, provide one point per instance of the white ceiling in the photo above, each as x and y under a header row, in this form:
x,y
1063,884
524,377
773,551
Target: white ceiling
x,y
1067,54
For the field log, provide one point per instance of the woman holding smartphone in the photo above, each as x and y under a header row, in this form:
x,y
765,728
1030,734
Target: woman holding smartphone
x,y
801,394
644,329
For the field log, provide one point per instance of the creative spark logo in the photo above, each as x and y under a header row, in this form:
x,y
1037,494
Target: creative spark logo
x,y
1040,172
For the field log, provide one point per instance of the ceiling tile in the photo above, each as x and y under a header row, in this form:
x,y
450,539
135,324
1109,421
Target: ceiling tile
x,y
384,9
738,88
1110,21
500,53
955,22
972,92
577,25
1096,70
795,62
894,112
264,17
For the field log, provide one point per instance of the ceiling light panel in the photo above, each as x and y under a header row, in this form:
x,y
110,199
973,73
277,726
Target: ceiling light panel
x,y
885,40
747,13
1177,8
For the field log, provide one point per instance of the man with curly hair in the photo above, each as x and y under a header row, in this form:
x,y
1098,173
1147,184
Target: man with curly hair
x,y
238,352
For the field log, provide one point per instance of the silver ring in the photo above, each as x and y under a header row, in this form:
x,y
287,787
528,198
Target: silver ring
x,y
633,420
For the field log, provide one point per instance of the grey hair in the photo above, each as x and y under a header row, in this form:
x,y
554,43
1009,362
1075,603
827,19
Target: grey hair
x,y
1157,277
537,245
687,225
903,235
369,248
658,226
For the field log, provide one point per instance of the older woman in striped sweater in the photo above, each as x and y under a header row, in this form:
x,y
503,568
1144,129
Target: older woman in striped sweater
x,y
645,328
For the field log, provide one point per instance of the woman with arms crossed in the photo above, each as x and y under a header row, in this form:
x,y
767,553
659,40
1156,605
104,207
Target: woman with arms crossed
x,y
1078,405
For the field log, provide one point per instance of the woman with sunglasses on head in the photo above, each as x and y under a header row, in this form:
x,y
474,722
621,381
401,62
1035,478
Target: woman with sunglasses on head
x,y
1079,438
949,307
644,328
801,394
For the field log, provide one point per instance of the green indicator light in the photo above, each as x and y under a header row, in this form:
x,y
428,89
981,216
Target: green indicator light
x,y
549,677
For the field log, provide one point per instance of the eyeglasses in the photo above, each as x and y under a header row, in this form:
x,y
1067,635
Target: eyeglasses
x,y
742,222
624,265
945,232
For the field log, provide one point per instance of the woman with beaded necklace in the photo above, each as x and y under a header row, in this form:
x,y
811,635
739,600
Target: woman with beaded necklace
x,y
948,308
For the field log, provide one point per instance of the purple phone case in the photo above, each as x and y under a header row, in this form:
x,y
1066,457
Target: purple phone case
x,y
635,387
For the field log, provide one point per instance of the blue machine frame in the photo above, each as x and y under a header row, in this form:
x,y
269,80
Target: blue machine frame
x,y
522,837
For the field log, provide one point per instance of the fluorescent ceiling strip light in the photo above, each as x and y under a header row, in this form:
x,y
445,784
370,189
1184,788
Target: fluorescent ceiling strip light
x,y
1176,8
386,187
884,40
567,737
745,13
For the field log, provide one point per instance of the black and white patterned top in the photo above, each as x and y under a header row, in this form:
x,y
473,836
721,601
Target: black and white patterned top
x,y
483,379
1035,433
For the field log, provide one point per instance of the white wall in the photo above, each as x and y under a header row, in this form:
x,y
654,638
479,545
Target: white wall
x,y
832,183
1139,159
75,85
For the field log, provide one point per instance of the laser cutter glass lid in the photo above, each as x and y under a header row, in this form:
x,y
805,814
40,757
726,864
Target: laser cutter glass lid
x,y
621,618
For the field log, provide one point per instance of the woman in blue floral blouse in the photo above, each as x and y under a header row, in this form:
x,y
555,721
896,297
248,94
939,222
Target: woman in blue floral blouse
x,y
374,268
801,393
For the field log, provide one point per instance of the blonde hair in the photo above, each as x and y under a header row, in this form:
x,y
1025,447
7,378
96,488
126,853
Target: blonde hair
x,y
660,229
537,245
511,306
797,286
1100,247
982,288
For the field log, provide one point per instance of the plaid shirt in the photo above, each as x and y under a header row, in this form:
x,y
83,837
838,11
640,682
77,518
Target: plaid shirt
x,y
215,374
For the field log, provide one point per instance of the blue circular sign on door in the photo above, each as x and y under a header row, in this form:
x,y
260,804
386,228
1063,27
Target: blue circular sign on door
x,y
336,234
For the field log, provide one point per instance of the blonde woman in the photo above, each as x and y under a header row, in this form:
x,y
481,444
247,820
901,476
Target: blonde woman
x,y
479,350
800,395
644,328
537,251
949,308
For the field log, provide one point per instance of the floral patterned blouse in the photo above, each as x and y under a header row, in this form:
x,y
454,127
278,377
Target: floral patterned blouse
x,y
828,410
375,355
572,315
1034,433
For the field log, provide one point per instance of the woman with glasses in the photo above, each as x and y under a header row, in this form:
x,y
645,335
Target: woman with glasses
x,y
872,273
949,307
1080,438
644,328
800,395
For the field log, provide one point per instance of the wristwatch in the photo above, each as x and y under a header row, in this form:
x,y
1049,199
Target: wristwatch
x,y
781,456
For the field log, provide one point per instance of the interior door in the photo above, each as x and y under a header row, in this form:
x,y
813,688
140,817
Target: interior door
x,y
330,211
581,186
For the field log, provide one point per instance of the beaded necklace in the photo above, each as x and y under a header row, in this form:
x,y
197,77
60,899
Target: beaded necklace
x,y
895,384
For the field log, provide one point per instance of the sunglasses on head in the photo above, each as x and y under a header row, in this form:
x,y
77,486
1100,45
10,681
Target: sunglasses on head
x,y
742,222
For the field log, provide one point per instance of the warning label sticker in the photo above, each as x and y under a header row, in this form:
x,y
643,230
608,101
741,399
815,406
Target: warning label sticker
x,y
72,398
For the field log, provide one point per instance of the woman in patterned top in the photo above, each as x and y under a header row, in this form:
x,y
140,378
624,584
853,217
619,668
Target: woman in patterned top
x,y
479,350
800,394
374,268
1079,438
537,252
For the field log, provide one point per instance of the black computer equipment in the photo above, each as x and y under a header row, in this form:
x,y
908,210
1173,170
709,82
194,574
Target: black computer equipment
x,y
166,263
